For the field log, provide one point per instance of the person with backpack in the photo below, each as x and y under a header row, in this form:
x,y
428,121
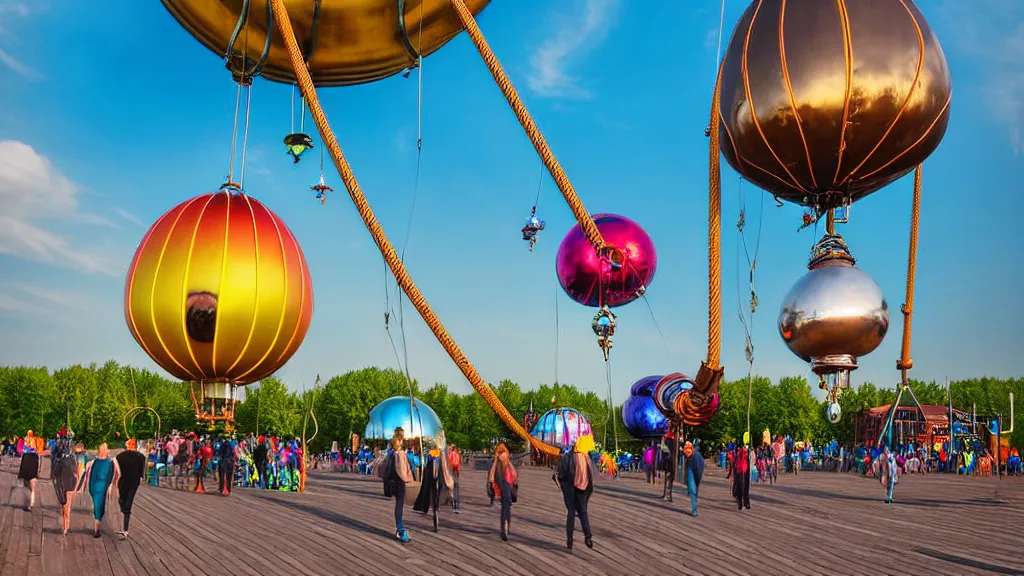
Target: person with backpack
x,y
575,476
505,480
396,472
455,465
740,472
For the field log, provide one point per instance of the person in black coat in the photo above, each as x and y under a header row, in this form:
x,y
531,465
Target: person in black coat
x,y
575,476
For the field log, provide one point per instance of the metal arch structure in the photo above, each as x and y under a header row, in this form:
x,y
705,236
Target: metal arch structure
x,y
133,413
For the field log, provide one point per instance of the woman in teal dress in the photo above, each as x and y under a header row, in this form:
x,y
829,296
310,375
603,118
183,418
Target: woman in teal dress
x,y
100,475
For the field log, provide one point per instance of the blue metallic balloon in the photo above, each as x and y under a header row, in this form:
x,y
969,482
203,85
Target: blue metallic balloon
x,y
640,414
417,420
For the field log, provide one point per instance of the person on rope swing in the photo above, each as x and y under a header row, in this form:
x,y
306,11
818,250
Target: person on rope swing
x,y
575,476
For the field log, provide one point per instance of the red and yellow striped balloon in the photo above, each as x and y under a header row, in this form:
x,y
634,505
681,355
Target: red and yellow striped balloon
x,y
219,291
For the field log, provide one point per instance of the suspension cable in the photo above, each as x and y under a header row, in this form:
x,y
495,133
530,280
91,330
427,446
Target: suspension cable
x,y
557,339
245,133
657,326
748,324
234,134
586,221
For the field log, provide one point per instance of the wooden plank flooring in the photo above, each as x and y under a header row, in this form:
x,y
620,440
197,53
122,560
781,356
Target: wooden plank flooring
x,y
814,523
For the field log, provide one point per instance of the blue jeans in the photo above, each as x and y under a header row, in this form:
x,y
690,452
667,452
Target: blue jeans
x,y
892,484
691,489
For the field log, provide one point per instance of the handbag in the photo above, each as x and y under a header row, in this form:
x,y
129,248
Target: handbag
x,y
515,492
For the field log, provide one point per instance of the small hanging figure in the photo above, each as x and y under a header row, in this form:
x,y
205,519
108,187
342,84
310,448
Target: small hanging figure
x,y
604,328
533,226
297,145
808,219
321,190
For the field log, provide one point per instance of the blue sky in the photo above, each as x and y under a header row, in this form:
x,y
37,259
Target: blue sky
x,y
107,122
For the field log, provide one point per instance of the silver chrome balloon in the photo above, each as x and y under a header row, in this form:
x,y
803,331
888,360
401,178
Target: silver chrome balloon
x,y
832,316
834,412
418,420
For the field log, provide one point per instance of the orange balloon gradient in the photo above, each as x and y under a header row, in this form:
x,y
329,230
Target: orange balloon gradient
x,y
219,291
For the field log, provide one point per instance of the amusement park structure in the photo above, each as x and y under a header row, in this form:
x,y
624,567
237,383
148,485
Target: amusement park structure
x,y
807,106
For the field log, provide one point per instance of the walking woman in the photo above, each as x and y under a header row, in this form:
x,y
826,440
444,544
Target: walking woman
x,y
437,479
64,475
396,474
575,476
28,472
887,473
504,478
740,472
694,473
131,467
100,475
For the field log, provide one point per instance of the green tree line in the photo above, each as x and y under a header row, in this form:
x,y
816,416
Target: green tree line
x,y
93,400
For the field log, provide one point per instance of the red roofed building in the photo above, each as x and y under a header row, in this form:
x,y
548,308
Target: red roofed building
x,y
907,425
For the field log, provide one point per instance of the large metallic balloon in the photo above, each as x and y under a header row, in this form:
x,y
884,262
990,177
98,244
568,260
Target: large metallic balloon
x,y
833,315
825,102
561,427
417,420
640,414
344,42
612,280
219,291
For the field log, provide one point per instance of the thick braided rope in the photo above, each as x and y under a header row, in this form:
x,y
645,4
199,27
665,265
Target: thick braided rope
x,y
715,232
387,251
905,362
526,121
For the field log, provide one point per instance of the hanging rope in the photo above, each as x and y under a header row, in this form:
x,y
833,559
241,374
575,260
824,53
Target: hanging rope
x,y
586,222
387,250
609,415
715,233
245,134
748,324
664,342
905,362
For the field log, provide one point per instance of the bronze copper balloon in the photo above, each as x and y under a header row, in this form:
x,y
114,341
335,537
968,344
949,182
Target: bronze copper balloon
x,y
344,42
826,101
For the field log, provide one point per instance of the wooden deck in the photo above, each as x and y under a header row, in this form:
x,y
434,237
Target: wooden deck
x,y
809,524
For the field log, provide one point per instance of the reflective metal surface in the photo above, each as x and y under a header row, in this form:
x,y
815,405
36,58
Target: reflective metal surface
x,y
833,413
832,96
344,41
203,320
670,392
612,280
834,310
561,427
418,421
640,414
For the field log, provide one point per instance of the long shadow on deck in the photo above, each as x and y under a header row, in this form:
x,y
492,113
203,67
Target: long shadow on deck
x,y
967,562
915,502
332,517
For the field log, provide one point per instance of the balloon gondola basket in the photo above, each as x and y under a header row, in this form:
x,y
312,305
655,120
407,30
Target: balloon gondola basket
x,y
214,403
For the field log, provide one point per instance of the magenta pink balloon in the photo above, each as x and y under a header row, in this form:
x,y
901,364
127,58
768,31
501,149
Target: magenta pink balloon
x,y
594,281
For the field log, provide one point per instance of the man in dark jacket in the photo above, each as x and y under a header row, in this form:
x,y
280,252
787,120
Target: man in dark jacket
x,y
694,473
575,476
259,457
132,465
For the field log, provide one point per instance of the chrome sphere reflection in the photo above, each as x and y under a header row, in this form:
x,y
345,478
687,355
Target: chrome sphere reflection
x,y
417,419
833,315
834,412
640,414
614,279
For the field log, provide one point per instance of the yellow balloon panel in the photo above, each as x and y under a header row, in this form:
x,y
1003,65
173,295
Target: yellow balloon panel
x,y
344,42
219,291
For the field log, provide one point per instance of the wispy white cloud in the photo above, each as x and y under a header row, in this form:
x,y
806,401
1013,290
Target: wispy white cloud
x,y
11,10
33,192
991,34
578,30
128,216
30,297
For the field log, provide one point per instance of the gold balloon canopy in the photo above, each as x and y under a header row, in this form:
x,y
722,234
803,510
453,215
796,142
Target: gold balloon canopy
x,y
343,42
